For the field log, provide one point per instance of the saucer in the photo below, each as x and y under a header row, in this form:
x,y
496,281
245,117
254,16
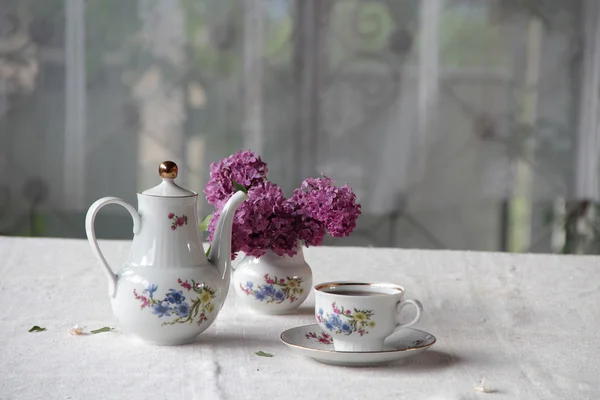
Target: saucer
x,y
311,341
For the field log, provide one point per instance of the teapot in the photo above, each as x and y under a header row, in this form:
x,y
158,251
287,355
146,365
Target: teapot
x,y
168,291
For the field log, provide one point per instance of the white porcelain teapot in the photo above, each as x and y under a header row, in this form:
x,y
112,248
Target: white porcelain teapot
x,y
168,292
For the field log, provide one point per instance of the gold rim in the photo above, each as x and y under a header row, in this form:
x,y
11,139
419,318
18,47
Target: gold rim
x,y
334,285
354,352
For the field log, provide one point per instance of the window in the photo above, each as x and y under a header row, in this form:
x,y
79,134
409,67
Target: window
x,y
462,124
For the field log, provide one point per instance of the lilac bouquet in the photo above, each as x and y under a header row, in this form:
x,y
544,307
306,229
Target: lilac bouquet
x,y
269,221
243,169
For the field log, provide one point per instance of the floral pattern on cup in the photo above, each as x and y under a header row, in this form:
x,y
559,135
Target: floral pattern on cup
x,y
321,338
275,290
346,322
177,220
175,305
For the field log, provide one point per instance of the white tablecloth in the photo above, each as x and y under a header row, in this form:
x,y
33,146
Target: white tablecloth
x,y
529,324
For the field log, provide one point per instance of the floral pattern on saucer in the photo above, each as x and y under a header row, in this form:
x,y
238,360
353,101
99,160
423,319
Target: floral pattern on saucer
x,y
346,322
275,290
320,337
405,343
175,305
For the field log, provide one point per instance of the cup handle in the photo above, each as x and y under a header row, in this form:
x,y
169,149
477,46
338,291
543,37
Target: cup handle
x,y
401,304
91,234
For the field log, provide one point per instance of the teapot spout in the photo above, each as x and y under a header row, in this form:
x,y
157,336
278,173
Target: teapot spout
x,y
220,250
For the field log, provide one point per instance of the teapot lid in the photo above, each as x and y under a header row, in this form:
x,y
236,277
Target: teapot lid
x,y
168,188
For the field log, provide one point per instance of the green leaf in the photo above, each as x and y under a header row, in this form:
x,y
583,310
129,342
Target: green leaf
x,y
204,224
263,354
105,329
36,328
208,250
237,187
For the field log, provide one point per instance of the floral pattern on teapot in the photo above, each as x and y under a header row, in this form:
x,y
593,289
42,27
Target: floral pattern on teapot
x,y
175,305
275,290
346,322
177,220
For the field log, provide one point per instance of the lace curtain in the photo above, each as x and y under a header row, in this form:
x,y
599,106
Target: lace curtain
x,y
466,124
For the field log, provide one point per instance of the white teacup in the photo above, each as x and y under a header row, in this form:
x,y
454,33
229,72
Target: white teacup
x,y
359,316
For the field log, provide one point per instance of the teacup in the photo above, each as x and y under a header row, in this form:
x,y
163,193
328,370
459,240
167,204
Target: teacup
x,y
359,316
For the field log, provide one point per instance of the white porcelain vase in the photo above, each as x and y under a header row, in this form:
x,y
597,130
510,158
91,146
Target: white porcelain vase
x,y
272,284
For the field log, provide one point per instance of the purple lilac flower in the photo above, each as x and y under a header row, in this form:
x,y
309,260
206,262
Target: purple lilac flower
x,y
265,221
335,208
310,231
244,168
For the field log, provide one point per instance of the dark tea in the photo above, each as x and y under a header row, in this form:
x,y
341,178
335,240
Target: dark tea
x,y
346,292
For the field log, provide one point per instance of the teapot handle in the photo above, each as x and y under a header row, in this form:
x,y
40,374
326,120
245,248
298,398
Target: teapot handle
x,y
91,234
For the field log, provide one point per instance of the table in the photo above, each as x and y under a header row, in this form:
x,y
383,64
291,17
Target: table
x,y
527,323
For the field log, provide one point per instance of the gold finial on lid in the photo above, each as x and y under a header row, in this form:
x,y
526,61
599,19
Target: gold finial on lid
x,y
168,170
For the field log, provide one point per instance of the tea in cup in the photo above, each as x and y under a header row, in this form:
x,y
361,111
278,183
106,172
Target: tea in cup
x,y
359,316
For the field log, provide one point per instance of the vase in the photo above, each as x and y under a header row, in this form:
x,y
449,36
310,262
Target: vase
x,y
272,284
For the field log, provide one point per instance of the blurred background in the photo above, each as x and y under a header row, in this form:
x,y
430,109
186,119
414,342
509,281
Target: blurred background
x,y
461,124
